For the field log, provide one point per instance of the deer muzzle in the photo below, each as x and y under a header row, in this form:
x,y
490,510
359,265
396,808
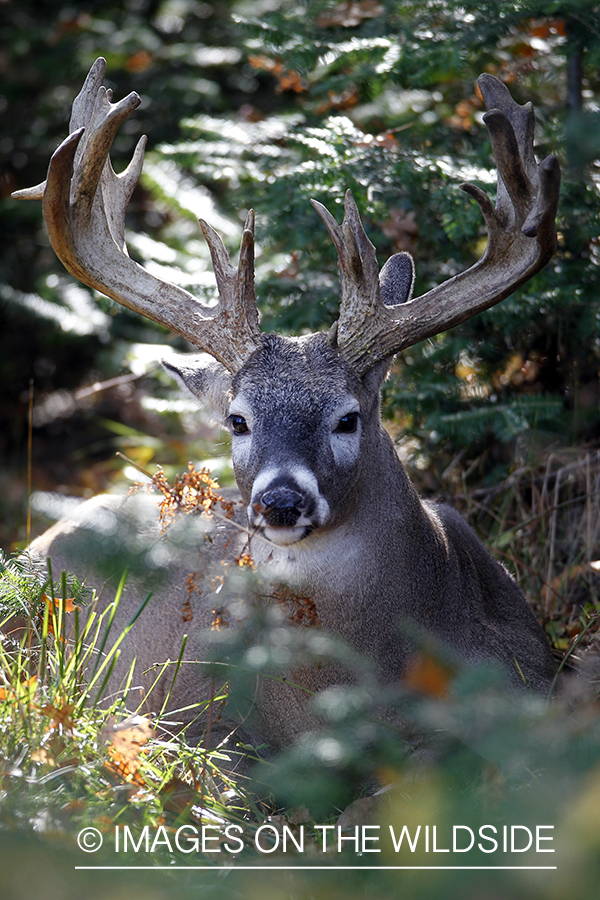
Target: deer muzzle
x,y
282,507
287,508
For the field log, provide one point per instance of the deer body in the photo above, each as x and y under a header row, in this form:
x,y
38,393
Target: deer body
x,y
376,560
350,529
327,501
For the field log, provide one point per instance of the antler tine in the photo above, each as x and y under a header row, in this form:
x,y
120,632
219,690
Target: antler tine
x,y
357,260
521,239
84,102
236,286
84,209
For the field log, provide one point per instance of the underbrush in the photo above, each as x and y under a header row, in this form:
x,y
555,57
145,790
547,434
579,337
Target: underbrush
x,y
543,523
461,756
72,754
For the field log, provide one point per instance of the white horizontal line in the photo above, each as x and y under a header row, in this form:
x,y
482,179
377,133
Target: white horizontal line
x,y
327,868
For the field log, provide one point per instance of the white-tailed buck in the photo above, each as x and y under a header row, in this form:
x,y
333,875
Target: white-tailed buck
x,y
326,497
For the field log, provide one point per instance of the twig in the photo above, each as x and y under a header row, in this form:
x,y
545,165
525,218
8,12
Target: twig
x,y
29,458
553,521
104,385
213,512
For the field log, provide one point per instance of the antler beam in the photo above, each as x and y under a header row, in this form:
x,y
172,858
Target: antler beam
x,y
84,205
84,208
521,240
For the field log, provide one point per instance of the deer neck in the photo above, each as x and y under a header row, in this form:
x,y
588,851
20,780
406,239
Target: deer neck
x,y
382,502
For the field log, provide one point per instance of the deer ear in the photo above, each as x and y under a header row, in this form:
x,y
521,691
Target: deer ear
x,y
376,375
396,279
203,377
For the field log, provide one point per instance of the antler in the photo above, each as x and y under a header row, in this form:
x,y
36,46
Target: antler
x,y
84,204
84,208
378,318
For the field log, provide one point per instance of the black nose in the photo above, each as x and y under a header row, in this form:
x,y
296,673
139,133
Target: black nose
x,y
281,506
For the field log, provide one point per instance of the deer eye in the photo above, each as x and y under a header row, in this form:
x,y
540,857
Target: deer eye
x,y
347,424
239,425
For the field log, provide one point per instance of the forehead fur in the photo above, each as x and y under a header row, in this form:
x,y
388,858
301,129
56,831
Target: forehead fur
x,y
305,370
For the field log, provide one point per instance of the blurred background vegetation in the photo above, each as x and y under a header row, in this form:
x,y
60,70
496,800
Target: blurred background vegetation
x,y
266,105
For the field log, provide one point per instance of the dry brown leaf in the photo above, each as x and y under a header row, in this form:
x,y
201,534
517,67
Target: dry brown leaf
x,y
401,227
42,756
349,15
194,491
187,613
191,586
60,715
139,61
301,610
346,99
220,619
289,79
127,740
180,795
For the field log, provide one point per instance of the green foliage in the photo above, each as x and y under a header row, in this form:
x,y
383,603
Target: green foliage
x,y
454,747
69,753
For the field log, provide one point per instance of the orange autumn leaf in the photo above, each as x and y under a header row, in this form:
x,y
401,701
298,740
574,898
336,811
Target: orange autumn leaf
x,y
220,619
27,686
139,61
547,29
127,740
54,603
266,63
427,675
194,491
292,81
60,716
131,735
244,561
126,769
289,79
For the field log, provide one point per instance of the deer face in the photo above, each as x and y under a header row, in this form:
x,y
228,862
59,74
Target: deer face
x,y
300,421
